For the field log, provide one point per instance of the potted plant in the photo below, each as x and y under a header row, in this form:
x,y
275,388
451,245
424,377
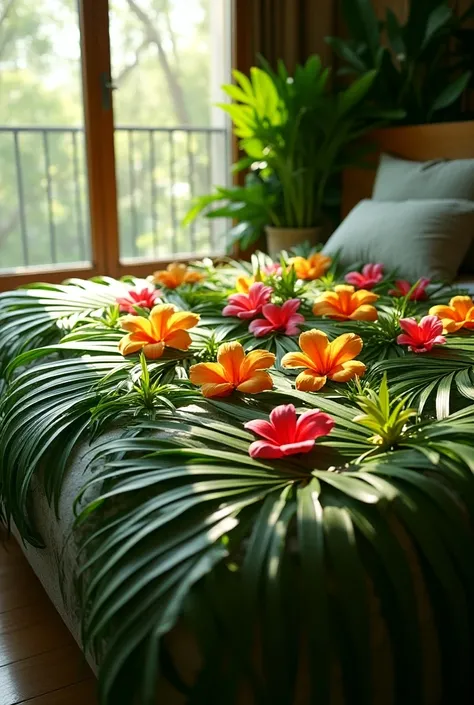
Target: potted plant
x,y
294,132
421,65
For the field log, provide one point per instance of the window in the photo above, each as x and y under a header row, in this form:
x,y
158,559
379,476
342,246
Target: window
x,y
108,127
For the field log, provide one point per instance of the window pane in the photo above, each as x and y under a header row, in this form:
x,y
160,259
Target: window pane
x,y
169,60
43,191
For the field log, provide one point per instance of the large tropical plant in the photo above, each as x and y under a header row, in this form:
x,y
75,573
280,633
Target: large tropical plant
x,y
294,132
420,65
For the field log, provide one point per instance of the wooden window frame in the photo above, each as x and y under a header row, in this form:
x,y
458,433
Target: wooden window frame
x,y
100,163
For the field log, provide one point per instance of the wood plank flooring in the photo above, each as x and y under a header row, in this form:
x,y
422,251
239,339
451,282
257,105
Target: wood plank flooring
x,y
40,663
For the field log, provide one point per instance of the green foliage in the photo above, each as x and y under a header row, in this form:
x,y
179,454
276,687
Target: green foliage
x,y
296,136
420,70
386,417
344,568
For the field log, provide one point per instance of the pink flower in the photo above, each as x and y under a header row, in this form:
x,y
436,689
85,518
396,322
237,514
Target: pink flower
x,y
272,269
141,296
421,337
284,434
371,275
283,319
248,305
402,287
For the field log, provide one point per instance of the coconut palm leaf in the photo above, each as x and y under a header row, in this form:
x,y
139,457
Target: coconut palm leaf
x,y
443,376
93,385
166,488
43,312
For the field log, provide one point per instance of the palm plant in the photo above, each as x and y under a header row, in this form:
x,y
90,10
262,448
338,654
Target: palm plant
x,y
294,134
417,68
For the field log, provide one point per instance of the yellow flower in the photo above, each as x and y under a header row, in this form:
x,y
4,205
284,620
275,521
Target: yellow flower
x,y
312,268
234,370
165,327
345,303
244,283
459,314
176,274
324,360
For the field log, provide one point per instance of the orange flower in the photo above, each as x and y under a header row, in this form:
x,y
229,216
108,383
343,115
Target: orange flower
x,y
312,268
165,327
234,370
323,359
459,314
344,303
176,274
244,283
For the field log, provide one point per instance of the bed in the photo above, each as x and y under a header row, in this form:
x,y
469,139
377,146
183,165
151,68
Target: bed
x,y
408,665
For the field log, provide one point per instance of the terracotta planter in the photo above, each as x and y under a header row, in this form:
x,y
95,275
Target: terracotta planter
x,y
285,238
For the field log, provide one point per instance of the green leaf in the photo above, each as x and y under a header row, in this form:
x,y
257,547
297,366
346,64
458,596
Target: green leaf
x,y
437,19
356,93
451,93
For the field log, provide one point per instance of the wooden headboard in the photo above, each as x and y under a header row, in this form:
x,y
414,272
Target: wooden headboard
x,y
454,140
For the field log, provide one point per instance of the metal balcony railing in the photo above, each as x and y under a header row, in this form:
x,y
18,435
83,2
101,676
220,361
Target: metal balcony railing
x,y
43,193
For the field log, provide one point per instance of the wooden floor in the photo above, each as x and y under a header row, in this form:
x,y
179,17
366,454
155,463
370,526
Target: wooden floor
x,y
40,663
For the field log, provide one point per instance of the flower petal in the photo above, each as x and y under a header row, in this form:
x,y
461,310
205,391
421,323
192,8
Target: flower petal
x,y
273,313
296,359
364,313
297,447
207,373
316,347
443,312
324,307
256,360
264,449
313,424
260,327
362,297
131,344
410,326
231,356
461,305
263,428
345,347
347,371
153,351
159,319
217,390
283,418
309,381
259,382
178,339
183,320
137,324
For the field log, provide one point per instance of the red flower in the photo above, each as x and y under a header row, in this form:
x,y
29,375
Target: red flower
x,y
402,288
421,337
371,275
284,434
248,305
283,319
141,296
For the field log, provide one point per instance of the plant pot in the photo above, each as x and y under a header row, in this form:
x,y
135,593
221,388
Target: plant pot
x,y
285,238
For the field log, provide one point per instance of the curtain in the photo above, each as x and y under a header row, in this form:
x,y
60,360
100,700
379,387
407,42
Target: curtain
x,y
290,30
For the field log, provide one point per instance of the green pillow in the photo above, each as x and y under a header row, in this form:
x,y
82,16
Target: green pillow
x,y
415,238
400,180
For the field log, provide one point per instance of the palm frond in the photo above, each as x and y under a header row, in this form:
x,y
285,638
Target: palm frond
x,y
183,485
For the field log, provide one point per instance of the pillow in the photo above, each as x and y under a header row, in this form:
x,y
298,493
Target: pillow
x,y
415,238
400,180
